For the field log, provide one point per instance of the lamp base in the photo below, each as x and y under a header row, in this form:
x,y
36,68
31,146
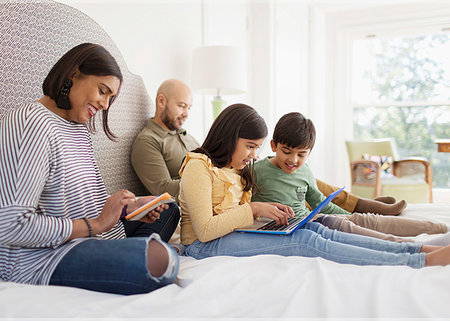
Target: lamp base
x,y
217,105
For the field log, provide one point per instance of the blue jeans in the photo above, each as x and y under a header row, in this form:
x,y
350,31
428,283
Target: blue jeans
x,y
314,240
164,226
113,266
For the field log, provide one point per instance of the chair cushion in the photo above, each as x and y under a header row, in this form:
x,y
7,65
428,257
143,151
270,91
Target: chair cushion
x,y
401,181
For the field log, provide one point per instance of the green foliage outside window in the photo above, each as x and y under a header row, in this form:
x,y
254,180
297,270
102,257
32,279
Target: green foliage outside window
x,y
406,72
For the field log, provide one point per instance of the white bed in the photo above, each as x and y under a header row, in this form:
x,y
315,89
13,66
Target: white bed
x,y
33,35
267,286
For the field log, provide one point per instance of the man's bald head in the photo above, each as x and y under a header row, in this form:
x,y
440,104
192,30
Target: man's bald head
x,y
171,86
173,100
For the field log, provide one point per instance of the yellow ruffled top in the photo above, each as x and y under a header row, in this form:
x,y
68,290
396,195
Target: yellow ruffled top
x,y
230,177
212,200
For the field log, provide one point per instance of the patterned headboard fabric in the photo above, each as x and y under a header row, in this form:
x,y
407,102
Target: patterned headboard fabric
x,y
33,36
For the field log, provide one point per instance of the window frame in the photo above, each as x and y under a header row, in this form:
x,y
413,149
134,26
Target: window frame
x,y
433,27
341,29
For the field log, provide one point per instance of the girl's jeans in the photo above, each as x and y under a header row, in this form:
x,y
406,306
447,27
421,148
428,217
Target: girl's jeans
x,y
313,240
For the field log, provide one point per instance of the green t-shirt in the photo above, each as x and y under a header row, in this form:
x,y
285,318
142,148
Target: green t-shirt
x,y
274,185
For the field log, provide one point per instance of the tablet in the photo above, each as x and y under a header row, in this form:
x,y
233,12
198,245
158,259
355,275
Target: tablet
x,y
154,203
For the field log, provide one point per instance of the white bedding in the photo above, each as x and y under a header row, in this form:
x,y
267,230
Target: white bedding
x,y
262,286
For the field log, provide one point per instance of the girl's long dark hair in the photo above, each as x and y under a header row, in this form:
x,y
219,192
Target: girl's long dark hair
x,y
234,122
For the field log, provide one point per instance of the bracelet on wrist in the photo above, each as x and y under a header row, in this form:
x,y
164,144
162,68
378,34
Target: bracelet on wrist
x,y
89,226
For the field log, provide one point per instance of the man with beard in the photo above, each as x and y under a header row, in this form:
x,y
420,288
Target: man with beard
x,y
160,147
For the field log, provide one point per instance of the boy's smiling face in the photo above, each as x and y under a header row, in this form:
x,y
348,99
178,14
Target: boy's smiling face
x,y
287,158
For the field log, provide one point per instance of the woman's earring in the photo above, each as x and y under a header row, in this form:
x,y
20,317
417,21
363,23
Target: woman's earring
x,y
62,101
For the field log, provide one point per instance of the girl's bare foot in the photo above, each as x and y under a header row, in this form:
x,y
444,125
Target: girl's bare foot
x,y
438,257
430,248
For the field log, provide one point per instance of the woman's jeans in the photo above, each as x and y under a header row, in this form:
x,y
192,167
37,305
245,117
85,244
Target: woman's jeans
x,y
313,240
164,226
113,266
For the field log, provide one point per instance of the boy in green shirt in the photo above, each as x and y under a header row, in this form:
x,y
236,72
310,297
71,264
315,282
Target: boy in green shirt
x,y
287,179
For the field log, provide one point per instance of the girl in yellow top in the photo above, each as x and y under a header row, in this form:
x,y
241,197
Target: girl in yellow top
x,y
215,193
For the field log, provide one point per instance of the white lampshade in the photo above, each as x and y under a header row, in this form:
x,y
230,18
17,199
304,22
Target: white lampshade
x,y
218,70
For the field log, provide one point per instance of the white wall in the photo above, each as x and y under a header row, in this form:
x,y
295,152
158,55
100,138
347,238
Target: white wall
x,y
296,55
224,23
279,54
157,38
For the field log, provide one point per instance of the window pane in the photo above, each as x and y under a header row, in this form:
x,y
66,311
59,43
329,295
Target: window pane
x,y
407,70
402,69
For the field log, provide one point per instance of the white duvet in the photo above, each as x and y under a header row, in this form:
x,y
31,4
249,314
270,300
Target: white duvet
x,y
267,286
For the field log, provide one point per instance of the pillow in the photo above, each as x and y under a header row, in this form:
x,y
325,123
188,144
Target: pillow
x,y
385,165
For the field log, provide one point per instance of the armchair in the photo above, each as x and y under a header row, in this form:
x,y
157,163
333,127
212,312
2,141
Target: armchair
x,y
409,179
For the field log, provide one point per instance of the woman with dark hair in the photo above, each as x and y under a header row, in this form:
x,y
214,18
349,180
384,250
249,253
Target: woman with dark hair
x,y
215,193
57,224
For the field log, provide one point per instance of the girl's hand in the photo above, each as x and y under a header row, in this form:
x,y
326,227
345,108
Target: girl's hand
x,y
275,211
111,211
151,216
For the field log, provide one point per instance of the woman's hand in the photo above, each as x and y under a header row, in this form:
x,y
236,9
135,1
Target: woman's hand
x,y
111,211
278,212
151,216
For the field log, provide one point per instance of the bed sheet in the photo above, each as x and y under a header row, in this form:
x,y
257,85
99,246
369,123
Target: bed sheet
x,y
267,286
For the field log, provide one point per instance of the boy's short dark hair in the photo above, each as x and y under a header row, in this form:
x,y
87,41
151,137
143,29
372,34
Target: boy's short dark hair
x,y
295,131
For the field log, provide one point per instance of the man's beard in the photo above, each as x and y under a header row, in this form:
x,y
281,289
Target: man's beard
x,y
170,123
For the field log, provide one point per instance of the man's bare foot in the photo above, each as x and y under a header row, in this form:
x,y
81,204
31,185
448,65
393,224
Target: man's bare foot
x,y
385,199
365,205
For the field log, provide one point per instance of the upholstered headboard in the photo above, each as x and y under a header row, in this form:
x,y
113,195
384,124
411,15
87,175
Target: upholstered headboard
x,y
33,36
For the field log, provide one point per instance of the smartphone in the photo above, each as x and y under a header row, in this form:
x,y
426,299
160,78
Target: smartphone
x,y
154,203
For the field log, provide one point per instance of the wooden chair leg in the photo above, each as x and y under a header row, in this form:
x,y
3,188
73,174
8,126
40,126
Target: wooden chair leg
x,y
377,184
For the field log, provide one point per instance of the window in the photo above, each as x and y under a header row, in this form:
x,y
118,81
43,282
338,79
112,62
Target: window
x,y
401,89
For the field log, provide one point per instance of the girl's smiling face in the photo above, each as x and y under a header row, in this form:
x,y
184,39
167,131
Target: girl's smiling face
x,y
245,152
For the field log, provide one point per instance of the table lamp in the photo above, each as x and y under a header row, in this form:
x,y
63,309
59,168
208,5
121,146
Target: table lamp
x,y
218,70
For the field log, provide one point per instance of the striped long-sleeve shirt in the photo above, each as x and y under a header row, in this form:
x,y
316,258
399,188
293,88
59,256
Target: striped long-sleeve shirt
x,y
48,178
